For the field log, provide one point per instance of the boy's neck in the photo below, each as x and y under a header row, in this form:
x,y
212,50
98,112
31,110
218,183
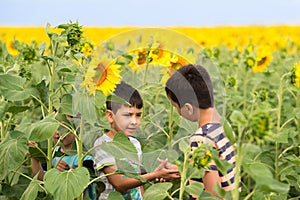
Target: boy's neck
x,y
209,115
111,134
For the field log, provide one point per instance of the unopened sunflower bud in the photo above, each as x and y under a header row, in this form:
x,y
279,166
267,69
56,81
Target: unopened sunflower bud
x,y
201,156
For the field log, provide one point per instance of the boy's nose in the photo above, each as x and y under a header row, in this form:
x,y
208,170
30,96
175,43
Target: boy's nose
x,y
133,120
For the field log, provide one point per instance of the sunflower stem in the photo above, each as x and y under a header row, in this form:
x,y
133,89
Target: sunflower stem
x,y
50,110
183,175
170,127
278,128
79,142
146,70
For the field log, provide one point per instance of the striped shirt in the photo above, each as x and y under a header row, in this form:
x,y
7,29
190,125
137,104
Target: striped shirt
x,y
213,134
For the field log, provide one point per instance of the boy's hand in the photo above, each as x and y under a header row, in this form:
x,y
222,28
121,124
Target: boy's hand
x,y
162,164
167,171
32,144
62,166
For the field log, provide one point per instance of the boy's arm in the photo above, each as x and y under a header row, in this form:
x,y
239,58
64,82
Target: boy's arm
x,y
210,180
122,184
36,167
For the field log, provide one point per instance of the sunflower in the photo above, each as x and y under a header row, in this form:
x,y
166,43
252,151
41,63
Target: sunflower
x,y
172,62
103,77
142,57
157,51
11,48
201,156
88,81
86,49
109,78
249,49
139,58
263,59
249,62
235,60
295,78
260,125
177,61
151,55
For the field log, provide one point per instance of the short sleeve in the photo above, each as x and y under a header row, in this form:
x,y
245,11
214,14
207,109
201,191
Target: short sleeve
x,y
102,158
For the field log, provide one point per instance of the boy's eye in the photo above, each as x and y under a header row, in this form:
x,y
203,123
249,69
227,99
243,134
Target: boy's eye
x,y
139,114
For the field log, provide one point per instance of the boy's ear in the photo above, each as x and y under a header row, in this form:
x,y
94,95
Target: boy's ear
x,y
188,108
109,116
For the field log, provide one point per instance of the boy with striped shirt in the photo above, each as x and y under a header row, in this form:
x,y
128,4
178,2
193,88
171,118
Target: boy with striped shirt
x,y
190,91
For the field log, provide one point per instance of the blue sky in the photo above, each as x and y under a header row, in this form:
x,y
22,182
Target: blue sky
x,y
150,12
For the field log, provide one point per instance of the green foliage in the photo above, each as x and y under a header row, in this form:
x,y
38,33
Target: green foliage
x,y
121,148
115,196
12,87
31,191
260,110
44,129
12,152
67,184
157,191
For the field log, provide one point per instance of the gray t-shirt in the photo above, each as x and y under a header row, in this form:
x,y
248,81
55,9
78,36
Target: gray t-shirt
x,y
104,159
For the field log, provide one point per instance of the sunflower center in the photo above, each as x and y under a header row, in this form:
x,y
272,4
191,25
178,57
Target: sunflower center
x,y
262,61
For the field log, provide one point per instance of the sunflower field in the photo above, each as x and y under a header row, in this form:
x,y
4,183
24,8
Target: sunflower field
x,y
71,70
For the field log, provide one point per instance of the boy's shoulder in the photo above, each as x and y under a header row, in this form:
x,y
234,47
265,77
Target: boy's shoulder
x,y
210,132
101,139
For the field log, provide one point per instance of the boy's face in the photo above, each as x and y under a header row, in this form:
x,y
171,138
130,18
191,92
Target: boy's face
x,y
126,119
66,141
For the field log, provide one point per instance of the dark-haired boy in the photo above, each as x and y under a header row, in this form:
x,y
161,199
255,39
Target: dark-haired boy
x,y
190,91
125,118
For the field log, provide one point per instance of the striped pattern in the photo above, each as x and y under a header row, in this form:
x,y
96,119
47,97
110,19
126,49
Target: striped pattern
x,y
213,134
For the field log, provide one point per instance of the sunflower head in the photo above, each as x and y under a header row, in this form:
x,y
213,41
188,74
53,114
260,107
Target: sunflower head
x,y
235,60
295,77
201,156
249,62
263,59
142,57
74,34
11,47
232,82
249,49
172,62
103,76
208,52
139,58
110,76
261,94
86,49
177,61
260,125
157,50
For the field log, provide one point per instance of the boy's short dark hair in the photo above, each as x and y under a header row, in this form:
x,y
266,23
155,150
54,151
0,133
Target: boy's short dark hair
x,y
191,84
128,93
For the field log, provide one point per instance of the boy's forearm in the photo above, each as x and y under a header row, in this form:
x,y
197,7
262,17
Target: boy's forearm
x,y
36,168
122,184
210,180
